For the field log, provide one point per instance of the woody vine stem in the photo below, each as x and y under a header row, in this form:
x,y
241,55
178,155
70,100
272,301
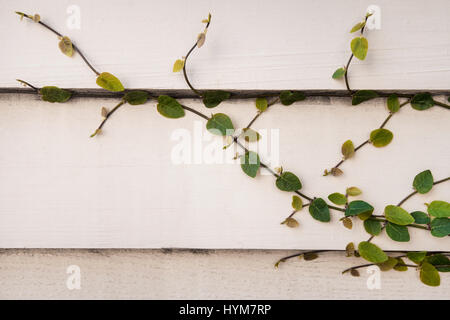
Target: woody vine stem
x,y
394,220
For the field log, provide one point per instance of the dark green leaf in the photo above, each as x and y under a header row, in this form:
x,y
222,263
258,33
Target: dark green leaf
x,y
54,94
371,252
381,137
397,233
109,82
429,275
422,101
220,124
393,103
288,181
358,207
212,99
289,97
438,260
337,198
420,217
359,46
339,73
398,215
169,107
416,257
319,210
250,163
423,182
439,209
440,227
372,227
363,95
136,97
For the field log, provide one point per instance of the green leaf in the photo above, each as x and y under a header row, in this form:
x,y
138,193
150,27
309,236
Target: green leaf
x,y
250,163
348,149
439,260
389,264
420,217
178,65
319,210
429,275
288,181
308,256
358,207
372,227
423,182
422,101
109,82
400,266
136,97
440,227
416,257
398,215
397,233
359,46
337,198
54,94
439,209
289,97
364,216
220,124
212,99
297,203
66,47
261,104
381,137
358,26
250,135
393,103
339,73
371,252
169,107
353,191
347,222
363,95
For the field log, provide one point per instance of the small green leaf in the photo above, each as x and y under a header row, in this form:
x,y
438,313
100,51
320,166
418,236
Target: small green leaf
x,y
289,97
250,135
319,210
429,275
136,97
178,65
220,124
397,233
109,82
353,191
423,182
362,96
359,46
348,149
400,266
422,101
440,227
388,265
290,222
250,163
65,45
339,73
347,222
372,227
439,261
288,181
398,215
54,94
337,198
297,203
261,104
420,217
393,103
365,215
416,257
169,107
439,209
358,26
371,252
358,207
381,137
308,256
212,99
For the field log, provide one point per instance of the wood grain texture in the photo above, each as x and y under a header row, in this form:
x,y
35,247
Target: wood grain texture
x,y
215,274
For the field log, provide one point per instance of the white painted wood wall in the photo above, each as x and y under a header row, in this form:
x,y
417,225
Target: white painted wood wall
x,y
61,189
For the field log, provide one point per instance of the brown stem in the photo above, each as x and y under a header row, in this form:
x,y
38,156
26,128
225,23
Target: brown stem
x,y
109,114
